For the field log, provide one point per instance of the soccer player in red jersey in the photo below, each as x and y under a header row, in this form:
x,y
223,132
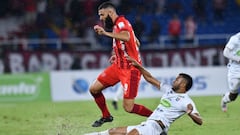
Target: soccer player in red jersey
x,y
124,44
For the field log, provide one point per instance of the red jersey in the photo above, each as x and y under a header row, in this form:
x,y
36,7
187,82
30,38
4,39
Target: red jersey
x,y
122,48
174,27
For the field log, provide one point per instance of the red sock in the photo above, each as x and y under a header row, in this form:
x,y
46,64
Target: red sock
x,y
100,100
141,110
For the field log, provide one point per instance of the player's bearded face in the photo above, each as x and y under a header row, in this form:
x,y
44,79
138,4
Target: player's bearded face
x,y
108,23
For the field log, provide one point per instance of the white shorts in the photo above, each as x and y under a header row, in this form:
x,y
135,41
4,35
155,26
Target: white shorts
x,y
150,127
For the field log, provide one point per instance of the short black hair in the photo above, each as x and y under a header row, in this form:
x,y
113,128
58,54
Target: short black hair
x,y
189,80
106,4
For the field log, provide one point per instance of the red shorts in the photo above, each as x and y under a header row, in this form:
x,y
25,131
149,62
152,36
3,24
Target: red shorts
x,y
129,79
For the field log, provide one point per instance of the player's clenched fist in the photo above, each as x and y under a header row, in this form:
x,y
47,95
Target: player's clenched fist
x,y
99,30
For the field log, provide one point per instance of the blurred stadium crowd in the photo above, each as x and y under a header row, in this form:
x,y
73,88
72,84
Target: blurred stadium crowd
x,y
45,35
151,19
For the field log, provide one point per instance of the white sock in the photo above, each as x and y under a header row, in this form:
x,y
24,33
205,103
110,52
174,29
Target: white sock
x,y
226,98
94,133
104,132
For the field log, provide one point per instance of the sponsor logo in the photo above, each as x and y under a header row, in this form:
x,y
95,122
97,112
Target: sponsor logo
x,y
165,103
22,88
238,53
14,88
199,83
80,86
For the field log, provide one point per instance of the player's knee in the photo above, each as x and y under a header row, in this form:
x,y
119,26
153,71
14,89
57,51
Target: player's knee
x,y
133,132
128,108
113,131
94,90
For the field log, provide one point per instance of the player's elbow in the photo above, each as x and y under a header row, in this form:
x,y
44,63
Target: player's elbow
x,y
126,38
148,78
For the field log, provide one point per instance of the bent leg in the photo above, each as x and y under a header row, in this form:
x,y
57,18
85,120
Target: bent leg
x,y
107,78
131,107
118,131
96,91
133,132
130,82
234,84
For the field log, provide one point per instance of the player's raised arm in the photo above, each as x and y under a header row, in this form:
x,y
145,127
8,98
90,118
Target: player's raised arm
x,y
147,75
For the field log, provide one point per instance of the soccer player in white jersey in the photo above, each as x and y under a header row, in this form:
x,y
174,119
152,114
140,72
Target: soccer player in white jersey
x,y
232,52
173,104
117,96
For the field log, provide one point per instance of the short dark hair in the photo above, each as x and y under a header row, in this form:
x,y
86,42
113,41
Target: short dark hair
x,y
189,80
106,5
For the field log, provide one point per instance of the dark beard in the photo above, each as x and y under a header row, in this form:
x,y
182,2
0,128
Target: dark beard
x,y
174,89
108,23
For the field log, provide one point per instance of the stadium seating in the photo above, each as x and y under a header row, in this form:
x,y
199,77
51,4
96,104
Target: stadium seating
x,y
10,28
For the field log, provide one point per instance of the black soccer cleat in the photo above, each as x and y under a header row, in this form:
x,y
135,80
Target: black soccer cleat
x,y
115,105
102,120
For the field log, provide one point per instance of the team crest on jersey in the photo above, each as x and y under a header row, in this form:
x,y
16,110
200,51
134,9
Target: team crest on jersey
x,y
178,98
120,25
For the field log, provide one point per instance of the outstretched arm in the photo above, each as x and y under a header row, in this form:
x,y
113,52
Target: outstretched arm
x,y
147,75
194,116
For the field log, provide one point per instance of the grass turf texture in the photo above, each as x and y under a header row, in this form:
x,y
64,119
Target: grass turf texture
x,y
75,118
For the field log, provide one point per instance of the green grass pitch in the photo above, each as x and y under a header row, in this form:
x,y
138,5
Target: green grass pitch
x,y
75,118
